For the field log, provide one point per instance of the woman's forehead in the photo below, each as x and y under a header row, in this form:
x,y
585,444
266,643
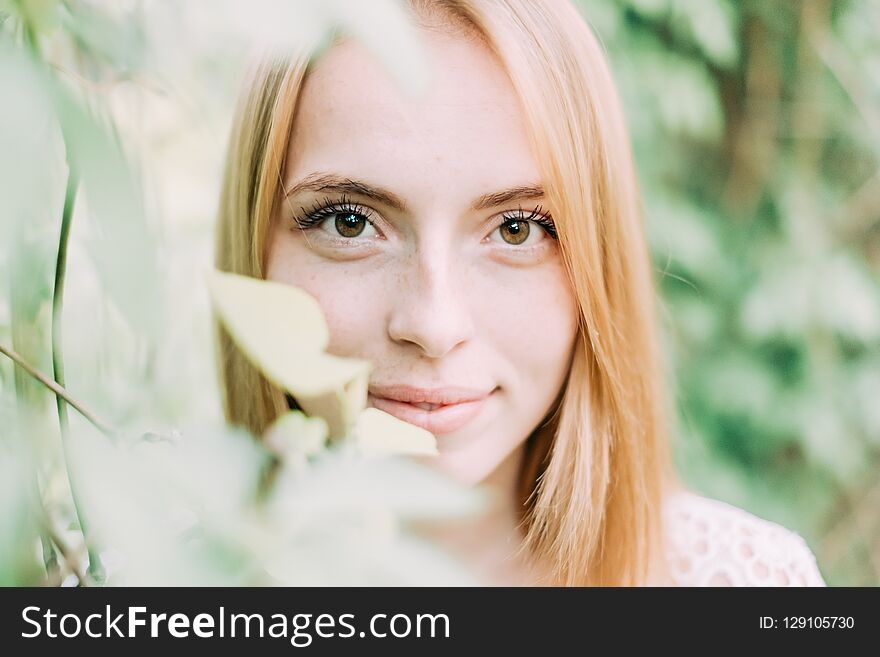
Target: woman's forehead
x,y
467,130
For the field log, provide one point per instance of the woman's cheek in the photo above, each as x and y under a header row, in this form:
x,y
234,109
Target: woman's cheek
x,y
526,306
354,307
534,327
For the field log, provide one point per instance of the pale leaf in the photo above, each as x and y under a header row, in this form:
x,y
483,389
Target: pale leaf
x,y
379,433
295,432
282,330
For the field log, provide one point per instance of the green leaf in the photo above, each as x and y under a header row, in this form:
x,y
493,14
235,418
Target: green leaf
x,y
833,293
119,241
30,147
675,95
40,16
102,36
122,244
712,24
18,522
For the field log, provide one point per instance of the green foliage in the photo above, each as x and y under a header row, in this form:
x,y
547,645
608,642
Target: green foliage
x,y
755,128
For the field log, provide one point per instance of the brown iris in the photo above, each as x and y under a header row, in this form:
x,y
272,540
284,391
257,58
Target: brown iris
x,y
515,232
350,224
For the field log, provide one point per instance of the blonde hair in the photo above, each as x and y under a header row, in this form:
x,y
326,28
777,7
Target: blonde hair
x,y
597,471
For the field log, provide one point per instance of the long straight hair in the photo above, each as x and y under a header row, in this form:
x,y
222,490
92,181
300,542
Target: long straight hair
x,y
596,471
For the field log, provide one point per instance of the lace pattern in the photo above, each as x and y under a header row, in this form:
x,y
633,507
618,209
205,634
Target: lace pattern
x,y
712,543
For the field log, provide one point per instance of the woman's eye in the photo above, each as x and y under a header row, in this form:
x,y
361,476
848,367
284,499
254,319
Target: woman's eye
x,y
347,225
517,232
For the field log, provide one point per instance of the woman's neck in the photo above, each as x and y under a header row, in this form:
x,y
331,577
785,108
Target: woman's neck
x,y
490,543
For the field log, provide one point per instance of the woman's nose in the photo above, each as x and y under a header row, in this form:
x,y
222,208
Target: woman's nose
x,y
430,309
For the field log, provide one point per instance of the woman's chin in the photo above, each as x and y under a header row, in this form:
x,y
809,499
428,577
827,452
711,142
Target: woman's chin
x,y
457,465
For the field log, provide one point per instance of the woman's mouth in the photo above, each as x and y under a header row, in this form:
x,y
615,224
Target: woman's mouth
x,y
452,410
427,407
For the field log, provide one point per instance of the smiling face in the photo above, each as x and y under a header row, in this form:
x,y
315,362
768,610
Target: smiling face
x,y
421,229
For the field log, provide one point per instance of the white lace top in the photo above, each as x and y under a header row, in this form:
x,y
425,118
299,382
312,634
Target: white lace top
x,y
712,543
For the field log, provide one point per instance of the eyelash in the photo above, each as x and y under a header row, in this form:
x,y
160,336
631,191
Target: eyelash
x,y
311,217
536,216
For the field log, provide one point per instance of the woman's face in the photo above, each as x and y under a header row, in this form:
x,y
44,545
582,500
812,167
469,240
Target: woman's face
x,y
417,225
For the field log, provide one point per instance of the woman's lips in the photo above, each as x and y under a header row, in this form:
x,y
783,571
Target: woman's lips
x,y
441,419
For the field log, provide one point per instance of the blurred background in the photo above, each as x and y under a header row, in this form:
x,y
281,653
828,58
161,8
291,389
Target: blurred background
x,y
756,129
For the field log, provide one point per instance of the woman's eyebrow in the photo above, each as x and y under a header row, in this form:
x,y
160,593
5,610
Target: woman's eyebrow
x,y
328,182
507,195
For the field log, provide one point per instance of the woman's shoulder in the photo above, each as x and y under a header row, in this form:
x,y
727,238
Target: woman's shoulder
x,y
712,543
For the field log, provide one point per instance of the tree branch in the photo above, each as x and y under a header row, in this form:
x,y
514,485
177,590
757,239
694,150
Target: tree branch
x,y
102,426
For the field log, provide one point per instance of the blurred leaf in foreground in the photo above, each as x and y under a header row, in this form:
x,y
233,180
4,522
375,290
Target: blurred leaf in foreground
x,y
282,330
19,528
187,513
